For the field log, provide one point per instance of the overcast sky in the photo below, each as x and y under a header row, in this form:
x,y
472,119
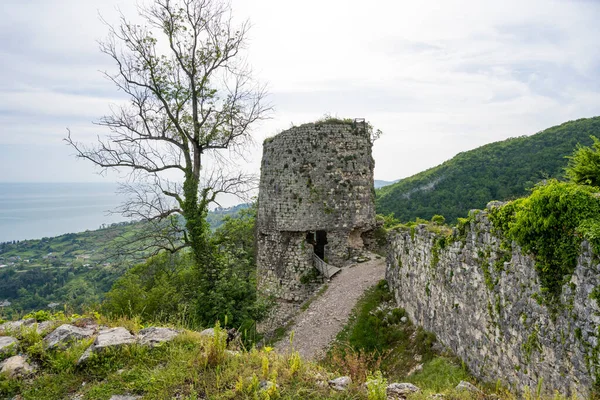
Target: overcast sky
x,y
437,77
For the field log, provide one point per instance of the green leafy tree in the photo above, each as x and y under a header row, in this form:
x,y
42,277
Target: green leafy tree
x,y
584,164
164,287
192,103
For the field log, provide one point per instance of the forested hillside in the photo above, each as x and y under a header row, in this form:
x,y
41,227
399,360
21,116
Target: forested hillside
x,y
75,269
497,171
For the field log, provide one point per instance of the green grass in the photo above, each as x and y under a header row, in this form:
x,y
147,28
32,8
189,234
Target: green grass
x,y
190,367
193,367
375,339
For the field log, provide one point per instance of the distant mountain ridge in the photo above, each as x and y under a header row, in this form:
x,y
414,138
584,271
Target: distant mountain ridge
x,y
496,171
379,183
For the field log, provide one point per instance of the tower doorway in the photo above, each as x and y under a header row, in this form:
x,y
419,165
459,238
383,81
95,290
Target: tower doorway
x,y
318,239
320,242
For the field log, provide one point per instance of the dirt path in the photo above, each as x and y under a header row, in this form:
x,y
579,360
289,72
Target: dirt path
x,y
315,328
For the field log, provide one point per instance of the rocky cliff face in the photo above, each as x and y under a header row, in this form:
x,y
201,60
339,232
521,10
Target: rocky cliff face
x,y
482,300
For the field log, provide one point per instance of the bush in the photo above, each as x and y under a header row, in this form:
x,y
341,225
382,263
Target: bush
x,y
550,225
584,164
169,288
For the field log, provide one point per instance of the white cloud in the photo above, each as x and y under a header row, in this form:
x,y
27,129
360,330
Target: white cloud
x,y
437,77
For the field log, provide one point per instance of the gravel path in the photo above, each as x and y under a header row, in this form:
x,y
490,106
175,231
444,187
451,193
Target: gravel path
x,y
315,328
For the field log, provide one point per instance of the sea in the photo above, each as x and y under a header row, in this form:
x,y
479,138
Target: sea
x,y
37,210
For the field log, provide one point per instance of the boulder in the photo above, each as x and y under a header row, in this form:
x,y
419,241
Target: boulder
x,y
12,326
108,338
401,390
44,327
16,366
8,344
463,385
65,334
340,383
210,332
154,336
113,338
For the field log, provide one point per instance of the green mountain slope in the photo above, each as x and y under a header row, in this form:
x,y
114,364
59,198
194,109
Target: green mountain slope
x,y
496,171
75,269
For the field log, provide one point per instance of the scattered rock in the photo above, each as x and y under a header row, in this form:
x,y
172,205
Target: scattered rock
x,y
403,320
8,344
65,334
415,369
154,336
436,396
86,354
16,366
44,327
233,335
340,383
232,353
113,338
266,385
463,385
401,390
124,397
16,325
210,332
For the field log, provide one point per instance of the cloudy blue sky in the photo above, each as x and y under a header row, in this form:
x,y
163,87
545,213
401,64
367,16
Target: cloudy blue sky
x,y
436,77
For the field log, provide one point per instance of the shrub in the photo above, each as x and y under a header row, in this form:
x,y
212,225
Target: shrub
x,y
584,164
550,225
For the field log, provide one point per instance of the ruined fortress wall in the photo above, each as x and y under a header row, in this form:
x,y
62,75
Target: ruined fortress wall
x,y
314,177
317,177
481,303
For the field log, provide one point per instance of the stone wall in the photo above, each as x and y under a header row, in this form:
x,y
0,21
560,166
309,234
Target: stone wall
x,y
314,177
481,300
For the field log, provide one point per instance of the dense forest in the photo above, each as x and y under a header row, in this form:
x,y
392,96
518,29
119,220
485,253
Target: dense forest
x,y
497,171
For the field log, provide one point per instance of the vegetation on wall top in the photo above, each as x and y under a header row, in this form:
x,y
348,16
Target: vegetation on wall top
x,y
550,225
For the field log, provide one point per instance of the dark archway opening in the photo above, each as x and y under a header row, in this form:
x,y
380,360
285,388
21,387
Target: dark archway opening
x,y
318,240
321,241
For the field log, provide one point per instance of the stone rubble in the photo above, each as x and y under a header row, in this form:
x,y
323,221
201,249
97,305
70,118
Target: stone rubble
x,y
154,336
341,383
12,326
8,344
401,390
65,334
16,366
469,387
108,338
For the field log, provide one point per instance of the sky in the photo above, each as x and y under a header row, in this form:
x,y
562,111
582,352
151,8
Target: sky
x,y
436,77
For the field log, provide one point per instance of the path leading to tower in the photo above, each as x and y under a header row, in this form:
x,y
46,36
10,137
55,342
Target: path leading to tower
x,y
315,328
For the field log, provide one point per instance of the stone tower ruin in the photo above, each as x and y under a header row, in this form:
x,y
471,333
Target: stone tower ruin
x,y
315,205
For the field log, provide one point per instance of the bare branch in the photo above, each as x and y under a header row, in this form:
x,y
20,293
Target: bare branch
x,y
192,100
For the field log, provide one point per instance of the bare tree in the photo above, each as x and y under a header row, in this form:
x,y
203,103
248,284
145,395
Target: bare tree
x,y
191,97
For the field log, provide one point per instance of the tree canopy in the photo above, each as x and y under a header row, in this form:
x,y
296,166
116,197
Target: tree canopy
x,y
584,164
